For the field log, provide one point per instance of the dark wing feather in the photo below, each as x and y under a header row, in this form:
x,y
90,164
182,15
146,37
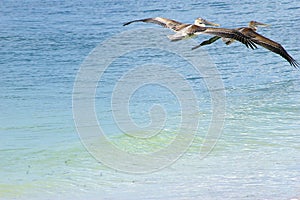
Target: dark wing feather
x,y
207,42
226,33
271,45
167,23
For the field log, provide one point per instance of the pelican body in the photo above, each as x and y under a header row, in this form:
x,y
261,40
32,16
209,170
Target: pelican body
x,y
259,39
195,30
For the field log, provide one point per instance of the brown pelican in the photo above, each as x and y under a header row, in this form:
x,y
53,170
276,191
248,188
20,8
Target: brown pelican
x,y
172,24
184,31
257,39
252,24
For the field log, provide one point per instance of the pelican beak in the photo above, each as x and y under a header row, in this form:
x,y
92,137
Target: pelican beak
x,y
210,23
262,24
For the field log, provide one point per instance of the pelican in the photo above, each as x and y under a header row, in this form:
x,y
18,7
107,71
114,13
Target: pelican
x,y
183,31
172,24
267,43
252,24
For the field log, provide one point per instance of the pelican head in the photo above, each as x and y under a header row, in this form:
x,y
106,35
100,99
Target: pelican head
x,y
202,22
255,24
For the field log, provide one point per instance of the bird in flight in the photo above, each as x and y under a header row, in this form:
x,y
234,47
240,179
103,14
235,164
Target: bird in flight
x,y
258,39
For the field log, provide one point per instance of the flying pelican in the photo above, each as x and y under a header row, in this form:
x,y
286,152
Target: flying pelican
x,y
184,31
267,43
252,24
172,24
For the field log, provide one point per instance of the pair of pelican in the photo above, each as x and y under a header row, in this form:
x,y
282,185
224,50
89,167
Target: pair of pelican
x,y
246,35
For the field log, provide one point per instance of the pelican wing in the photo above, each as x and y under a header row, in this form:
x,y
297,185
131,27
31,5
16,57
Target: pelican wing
x,y
168,23
270,45
207,42
224,33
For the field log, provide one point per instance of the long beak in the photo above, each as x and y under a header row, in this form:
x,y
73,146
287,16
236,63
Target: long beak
x,y
210,23
261,24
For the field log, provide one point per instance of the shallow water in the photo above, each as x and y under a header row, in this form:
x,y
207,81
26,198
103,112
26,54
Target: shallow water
x,y
43,45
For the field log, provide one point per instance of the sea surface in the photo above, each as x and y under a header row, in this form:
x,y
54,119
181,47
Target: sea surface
x,y
45,45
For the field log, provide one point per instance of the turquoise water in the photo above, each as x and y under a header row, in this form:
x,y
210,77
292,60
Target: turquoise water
x,y
43,45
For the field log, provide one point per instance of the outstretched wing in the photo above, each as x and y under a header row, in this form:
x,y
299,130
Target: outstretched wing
x,y
224,33
270,45
207,42
168,23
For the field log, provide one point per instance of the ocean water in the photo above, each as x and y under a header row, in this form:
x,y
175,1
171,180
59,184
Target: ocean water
x,y
44,155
